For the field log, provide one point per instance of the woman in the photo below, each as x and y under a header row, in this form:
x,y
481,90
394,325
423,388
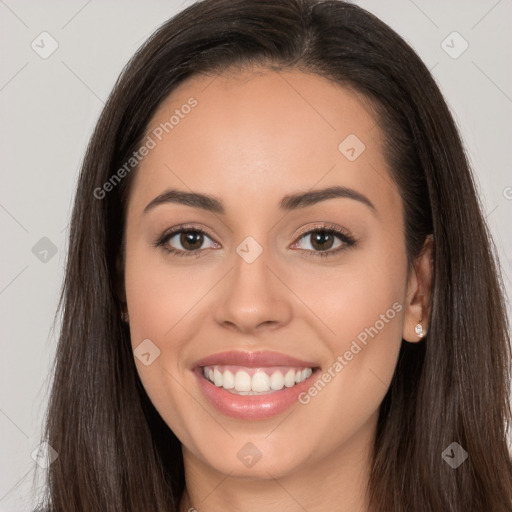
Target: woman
x,y
280,291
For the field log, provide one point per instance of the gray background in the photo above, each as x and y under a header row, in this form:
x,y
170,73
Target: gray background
x,y
49,108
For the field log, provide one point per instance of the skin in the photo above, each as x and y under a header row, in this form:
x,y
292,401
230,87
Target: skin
x,y
254,137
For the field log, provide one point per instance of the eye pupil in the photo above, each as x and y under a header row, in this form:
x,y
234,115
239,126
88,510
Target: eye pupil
x,y
191,240
322,238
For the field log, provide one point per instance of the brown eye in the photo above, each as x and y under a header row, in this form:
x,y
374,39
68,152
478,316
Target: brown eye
x,y
321,240
324,242
191,240
184,241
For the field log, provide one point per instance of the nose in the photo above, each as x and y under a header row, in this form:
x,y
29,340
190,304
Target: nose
x,y
253,298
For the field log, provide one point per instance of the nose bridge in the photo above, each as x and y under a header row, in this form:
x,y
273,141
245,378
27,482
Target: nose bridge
x,y
251,267
252,295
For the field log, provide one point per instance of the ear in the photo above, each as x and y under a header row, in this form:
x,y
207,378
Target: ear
x,y
419,283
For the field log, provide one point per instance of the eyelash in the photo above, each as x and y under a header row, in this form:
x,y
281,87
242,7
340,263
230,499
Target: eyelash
x,y
347,240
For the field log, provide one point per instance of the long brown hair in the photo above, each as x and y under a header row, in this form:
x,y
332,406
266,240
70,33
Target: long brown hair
x,y
115,451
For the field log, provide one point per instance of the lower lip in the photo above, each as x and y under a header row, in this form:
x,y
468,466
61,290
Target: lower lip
x,y
252,407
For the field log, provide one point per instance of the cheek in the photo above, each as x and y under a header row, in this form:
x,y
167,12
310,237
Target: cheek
x,y
159,299
160,296
166,306
364,293
360,307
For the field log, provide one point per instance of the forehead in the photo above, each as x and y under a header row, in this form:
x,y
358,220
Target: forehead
x,y
261,135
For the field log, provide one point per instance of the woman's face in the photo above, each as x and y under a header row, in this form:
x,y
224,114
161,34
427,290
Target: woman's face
x,y
290,266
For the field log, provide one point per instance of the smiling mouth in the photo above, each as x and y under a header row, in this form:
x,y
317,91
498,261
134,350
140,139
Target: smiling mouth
x,y
241,380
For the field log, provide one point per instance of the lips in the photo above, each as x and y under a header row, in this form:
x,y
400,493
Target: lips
x,y
253,385
254,359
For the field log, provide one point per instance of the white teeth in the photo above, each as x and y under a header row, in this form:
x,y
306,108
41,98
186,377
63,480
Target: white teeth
x,y
217,378
228,380
264,380
260,382
277,381
242,381
289,378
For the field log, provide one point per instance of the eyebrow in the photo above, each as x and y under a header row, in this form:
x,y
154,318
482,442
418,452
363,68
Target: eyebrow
x,y
288,203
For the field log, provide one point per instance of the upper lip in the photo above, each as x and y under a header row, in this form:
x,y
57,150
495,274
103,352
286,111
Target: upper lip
x,y
254,360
